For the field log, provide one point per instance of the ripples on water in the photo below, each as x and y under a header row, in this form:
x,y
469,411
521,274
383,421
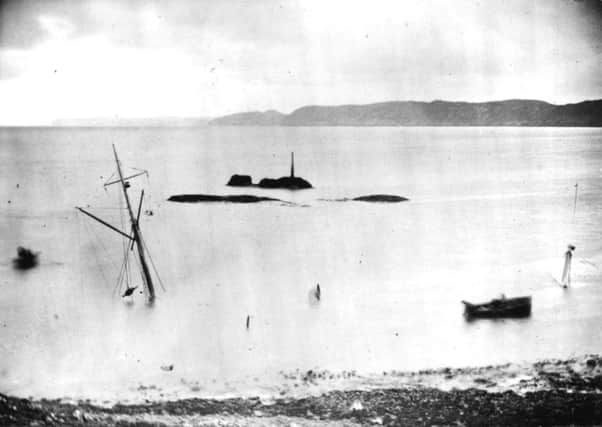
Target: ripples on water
x,y
491,212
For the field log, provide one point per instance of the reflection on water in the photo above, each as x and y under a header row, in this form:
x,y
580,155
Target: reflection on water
x,y
490,212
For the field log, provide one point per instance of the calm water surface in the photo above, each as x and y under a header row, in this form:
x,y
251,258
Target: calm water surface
x,y
491,211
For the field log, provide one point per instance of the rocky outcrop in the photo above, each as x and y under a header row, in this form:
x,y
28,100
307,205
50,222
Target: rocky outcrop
x,y
285,182
240,181
381,198
198,198
25,259
374,198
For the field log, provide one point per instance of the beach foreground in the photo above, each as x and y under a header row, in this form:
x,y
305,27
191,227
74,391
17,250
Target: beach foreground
x,y
551,392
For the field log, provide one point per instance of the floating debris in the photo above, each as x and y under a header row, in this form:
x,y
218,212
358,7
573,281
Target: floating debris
x,y
128,292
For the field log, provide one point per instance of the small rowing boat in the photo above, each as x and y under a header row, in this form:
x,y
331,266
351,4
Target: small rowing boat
x,y
499,307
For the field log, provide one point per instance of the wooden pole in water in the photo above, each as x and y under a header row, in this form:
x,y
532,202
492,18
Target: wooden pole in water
x,y
146,276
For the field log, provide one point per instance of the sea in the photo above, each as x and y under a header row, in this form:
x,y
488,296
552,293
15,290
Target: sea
x,y
491,211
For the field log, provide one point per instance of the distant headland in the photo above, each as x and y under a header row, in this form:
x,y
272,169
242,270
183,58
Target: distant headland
x,y
515,112
132,122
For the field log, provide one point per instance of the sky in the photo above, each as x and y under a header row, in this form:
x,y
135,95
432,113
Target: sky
x,y
148,58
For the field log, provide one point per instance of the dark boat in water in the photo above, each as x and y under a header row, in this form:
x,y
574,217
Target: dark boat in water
x,y
499,307
26,259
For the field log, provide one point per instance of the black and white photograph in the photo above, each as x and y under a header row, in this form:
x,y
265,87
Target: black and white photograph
x,y
300,213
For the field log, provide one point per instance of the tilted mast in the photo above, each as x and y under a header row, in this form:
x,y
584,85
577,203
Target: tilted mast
x,y
135,235
148,281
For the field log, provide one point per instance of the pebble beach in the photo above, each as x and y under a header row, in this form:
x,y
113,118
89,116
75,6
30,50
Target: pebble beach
x,y
548,392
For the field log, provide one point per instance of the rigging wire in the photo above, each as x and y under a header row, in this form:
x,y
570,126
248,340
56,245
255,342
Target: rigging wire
x,y
98,264
108,180
124,275
103,246
153,263
119,279
145,287
126,245
150,196
150,257
139,170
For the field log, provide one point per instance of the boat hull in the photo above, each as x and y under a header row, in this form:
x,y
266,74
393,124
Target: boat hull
x,y
499,308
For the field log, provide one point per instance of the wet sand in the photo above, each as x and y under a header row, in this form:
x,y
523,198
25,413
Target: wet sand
x,y
550,392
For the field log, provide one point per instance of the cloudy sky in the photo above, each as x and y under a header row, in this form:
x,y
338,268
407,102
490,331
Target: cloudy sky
x,y
130,58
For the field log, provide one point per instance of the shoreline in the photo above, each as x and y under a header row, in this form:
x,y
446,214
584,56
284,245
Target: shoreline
x,y
558,392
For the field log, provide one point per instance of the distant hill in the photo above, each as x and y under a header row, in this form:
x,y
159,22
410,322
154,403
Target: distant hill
x,y
132,122
514,112
253,118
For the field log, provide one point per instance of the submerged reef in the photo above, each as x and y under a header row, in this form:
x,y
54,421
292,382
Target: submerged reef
x,y
240,198
383,198
373,198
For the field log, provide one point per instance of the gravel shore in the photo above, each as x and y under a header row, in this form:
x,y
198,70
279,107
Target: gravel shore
x,y
555,392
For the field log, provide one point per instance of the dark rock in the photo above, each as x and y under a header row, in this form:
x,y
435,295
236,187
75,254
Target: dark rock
x,y
382,198
240,181
591,363
373,198
286,182
596,382
26,259
243,198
